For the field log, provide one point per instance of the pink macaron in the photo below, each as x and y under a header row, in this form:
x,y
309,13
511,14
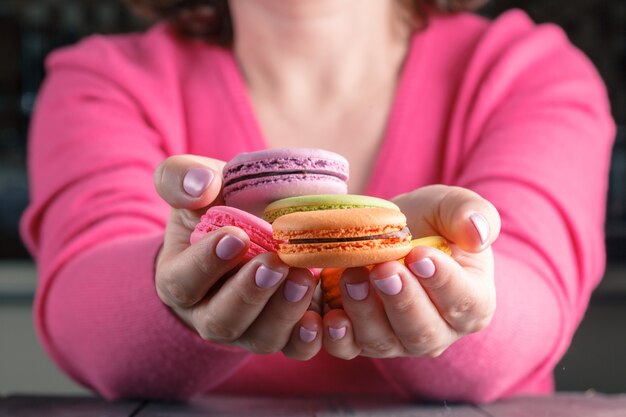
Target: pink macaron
x,y
259,231
255,179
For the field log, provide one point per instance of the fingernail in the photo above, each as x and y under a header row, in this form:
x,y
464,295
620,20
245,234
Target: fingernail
x,y
266,277
294,292
307,335
390,286
359,291
424,268
229,247
481,225
197,180
336,334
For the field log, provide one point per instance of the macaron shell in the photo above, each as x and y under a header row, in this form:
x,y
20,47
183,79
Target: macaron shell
x,y
255,194
345,257
337,223
285,159
259,231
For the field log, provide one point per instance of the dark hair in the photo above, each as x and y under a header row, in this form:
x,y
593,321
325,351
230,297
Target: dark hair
x,y
210,19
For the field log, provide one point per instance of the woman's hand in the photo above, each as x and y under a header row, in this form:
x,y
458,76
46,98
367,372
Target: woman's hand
x,y
260,306
423,308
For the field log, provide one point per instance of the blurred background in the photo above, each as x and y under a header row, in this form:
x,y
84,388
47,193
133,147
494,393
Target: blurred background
x,y
29,29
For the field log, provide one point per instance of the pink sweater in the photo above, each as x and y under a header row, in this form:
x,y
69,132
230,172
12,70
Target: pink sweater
x,y
506,108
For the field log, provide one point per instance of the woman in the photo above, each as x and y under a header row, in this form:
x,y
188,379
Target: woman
x,y
459,120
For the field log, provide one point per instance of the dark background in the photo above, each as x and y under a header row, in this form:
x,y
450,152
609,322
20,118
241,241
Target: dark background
x,y
29,29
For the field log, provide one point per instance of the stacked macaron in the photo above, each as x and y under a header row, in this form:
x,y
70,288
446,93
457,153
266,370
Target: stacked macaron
x,y
310,221
255,179
338,231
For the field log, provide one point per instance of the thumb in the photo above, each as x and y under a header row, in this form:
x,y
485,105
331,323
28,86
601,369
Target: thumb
x,y
458,214
189,181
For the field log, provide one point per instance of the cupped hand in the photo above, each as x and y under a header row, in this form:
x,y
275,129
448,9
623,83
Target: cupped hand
x,y
424,307
261,305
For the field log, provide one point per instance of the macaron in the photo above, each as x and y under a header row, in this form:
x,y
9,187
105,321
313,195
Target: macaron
x,y
329,277
259,231
255,179
367,231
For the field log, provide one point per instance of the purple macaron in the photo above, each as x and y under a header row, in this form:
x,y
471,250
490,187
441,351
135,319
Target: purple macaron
x,y
255,179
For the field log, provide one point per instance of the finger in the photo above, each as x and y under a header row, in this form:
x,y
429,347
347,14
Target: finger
x,y
372,331
338,338
416,322
189,181
306,337
270,332
229,312
317,301
463,293
458,214
184,278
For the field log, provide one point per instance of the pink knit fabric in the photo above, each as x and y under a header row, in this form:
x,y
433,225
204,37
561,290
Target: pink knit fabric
x,y
506,108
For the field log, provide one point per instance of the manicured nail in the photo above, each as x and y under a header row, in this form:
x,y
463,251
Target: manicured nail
x,y
390,286
424,268
359,291
481,225
197,180
294,292
229,247
266,277
307,335
336,334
